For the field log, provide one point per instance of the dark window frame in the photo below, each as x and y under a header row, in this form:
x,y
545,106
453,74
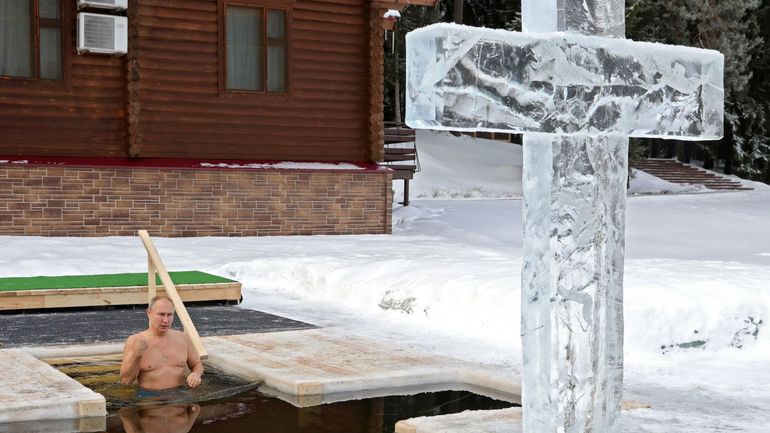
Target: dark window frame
x,y
286,6
65,40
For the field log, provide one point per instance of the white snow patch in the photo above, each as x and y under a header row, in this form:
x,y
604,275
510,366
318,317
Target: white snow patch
x,y
645,183
19,161
697,286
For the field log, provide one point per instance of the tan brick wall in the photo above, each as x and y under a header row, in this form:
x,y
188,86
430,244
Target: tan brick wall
x,y
69,201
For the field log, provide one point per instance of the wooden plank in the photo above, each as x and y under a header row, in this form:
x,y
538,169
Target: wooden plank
x,y
194,49
400,150
333,8
184,25
177,14
252,113
162,34
179,62
391,139
403,174
112,127
357,21
208,6
168,285
110,296
240,151
151,271
402,167
389,157
350,34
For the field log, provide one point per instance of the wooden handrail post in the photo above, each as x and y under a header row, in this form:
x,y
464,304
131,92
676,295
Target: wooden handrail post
x,y
153,259
151,288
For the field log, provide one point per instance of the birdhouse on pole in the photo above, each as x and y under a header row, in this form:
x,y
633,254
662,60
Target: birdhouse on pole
x,y
390,18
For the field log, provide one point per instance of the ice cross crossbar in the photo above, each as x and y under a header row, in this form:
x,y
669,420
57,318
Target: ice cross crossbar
x,y
561,83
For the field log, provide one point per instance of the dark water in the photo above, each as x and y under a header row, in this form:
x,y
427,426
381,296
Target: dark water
x,y
103,376
253,412
225,404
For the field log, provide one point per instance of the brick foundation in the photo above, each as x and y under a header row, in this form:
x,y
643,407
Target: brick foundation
x,y
99,201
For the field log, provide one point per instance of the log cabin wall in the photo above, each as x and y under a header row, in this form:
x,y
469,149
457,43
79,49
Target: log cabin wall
x,y
166,98
185,109
83,114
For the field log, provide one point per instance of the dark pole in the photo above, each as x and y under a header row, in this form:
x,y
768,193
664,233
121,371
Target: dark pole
x,y
397,84
457,11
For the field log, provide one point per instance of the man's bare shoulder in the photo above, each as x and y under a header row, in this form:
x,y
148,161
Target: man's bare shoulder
x,y
131,338
133,342
177,335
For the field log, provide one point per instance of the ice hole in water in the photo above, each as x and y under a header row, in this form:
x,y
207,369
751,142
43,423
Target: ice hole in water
x,y
225,403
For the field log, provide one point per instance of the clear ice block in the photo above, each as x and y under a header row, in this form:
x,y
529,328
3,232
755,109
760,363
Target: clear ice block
x,y
588,17
572,282
577,98
465,78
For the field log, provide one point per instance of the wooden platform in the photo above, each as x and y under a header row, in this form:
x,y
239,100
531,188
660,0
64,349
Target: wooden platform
x,y
31,390
32,299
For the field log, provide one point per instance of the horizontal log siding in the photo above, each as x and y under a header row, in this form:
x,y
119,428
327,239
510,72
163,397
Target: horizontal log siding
x,y
321,118
82,116
180,110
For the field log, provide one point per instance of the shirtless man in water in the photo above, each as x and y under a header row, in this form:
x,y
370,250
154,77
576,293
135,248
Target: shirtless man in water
x,y
158,356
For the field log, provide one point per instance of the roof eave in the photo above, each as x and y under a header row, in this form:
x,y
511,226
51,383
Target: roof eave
x,y
399,4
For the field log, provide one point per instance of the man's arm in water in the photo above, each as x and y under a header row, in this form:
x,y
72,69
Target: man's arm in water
x,y
195,364
135,347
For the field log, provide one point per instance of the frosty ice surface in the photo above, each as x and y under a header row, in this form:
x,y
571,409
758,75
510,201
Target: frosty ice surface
x,y
465,78
589,17
572,281
577,98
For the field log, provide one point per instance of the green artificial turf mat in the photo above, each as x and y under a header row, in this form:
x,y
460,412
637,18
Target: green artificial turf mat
x,y
106,280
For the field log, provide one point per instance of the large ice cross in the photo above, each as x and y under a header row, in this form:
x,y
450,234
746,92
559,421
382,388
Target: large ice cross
x,y
577,98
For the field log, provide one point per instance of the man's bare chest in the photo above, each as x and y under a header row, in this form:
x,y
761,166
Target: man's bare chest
x,y
165,354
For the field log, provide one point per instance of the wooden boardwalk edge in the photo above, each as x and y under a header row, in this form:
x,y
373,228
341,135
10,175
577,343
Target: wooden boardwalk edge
x,y
107,296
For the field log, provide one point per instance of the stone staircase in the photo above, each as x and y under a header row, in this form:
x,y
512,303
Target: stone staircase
x,y
674,171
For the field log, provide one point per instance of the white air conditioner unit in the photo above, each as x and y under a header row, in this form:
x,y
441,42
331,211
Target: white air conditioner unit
x,y
116,5
105,34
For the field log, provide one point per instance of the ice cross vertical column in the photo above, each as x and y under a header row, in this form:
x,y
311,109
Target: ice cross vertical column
x,y
572,282
572,278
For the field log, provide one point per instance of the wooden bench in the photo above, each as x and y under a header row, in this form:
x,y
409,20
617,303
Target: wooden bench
x,y
401,155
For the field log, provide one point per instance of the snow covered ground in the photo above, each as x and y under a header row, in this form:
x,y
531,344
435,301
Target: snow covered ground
x,y
697,281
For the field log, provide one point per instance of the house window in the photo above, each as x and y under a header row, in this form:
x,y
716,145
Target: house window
x,y
256,49
30,39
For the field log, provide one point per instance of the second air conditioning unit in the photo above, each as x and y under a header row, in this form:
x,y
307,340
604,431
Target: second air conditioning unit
x,y
103,34
116,5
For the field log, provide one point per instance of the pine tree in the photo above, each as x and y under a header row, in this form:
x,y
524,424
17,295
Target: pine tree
x,y
740,29
731,27
481,13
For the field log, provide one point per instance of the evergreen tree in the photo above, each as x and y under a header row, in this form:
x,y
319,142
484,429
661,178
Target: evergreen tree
x,y
740,29
731,27
501,14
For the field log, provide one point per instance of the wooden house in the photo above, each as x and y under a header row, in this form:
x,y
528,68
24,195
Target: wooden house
x,y
224,118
